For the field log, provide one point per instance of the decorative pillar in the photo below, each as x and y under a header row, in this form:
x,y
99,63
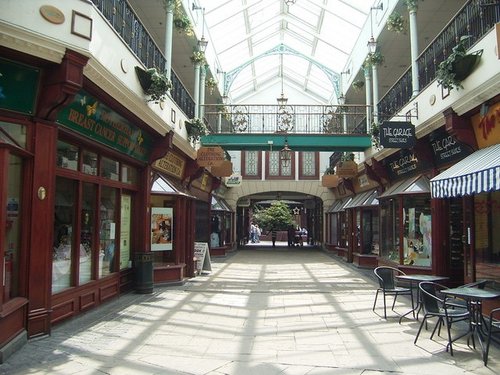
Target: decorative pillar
x,y
203,76
196,89
368,96
414,50
375,93
168,37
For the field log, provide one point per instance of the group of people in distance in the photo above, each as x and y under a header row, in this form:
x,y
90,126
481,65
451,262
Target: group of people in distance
x,y
296,235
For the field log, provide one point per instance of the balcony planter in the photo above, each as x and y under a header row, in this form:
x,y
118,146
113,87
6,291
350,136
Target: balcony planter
x,y
457,66
358,85
195,129
347,167
198,57
330,179
375,58
155,84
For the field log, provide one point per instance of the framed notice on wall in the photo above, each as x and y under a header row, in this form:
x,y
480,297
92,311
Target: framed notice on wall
x,y
161,228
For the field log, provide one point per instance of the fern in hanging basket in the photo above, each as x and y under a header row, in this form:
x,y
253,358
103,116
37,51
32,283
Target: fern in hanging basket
x,y
396,23
375,58
457,66
155,84
198,57
358,85
375,133
210,84
196,129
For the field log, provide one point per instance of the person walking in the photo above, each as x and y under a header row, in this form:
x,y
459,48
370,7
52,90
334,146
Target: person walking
x,y
274,234
258,233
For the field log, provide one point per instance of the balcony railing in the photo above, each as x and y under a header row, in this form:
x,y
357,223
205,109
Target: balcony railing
x,y
473,19
298,119
123,19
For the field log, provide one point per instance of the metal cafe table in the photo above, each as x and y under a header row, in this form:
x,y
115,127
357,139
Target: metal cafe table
x,y
414,280
474,297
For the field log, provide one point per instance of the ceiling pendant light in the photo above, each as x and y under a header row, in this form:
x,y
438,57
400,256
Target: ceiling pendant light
x,y
289,2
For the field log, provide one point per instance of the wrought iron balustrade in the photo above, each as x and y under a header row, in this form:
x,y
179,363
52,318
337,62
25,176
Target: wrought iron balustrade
x,y
291,119
126,23
476,19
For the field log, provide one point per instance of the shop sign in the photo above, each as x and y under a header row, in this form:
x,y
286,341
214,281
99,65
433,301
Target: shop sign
x,y
91,118
403,164
225,169
18,87
346,169
397,134
234,180
447,148
486,125
171,164
244,202
210,156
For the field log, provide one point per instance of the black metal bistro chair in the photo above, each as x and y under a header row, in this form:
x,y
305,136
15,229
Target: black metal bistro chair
x,y
388,286
493,332
436,306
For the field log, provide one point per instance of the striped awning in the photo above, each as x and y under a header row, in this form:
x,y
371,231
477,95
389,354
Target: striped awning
x,y
477,173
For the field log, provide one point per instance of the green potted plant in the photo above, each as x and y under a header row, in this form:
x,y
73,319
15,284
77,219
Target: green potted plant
x,y
183,24
156,84
210,84
196,129
358,85
375,133
396,23
198,57
375,58
412,5
223,110
457,66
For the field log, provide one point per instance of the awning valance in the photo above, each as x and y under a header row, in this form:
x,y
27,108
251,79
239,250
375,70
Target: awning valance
x,y
161,185
477,173
414,185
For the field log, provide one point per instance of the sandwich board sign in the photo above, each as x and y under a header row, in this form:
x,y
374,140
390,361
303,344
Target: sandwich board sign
x,y
202,255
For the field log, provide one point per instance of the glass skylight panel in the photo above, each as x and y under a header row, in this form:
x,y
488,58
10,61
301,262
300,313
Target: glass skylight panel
x,y
306,11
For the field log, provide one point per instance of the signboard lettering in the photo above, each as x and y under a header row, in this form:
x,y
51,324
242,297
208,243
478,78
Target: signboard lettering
x,y
171,164
87,116
210,156
397,134
202,257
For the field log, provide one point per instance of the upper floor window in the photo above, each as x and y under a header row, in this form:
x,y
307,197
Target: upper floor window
x,y
251,164
277,169
308,165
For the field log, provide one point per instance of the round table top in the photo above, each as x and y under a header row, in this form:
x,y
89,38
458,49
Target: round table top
x,y
422,277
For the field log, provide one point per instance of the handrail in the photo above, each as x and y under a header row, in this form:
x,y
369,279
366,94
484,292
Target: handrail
x,y
134,34
473,19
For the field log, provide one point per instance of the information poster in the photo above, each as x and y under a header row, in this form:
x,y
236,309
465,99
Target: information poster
x,y
125,232
161,228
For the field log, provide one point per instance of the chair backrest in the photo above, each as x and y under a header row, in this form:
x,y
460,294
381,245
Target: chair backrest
x,y
430,301
385,276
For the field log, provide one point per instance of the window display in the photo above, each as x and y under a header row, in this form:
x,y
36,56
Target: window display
x,y
107,235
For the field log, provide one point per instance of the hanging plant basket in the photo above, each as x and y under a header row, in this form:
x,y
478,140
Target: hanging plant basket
x,y
144,77
464,66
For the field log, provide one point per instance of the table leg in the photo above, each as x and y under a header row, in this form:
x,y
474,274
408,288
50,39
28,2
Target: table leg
x,y
416,307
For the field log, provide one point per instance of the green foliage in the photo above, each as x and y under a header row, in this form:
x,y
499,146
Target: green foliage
x,y
375,133
196,128
347,156
412,5
330,170
375,58
396,23
198,57
446,73
278,216
160,85
358,85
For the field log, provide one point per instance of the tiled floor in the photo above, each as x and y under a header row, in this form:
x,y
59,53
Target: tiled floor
x,y
260,311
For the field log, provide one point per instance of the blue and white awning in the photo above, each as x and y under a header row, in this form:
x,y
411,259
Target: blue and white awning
x,y
477,173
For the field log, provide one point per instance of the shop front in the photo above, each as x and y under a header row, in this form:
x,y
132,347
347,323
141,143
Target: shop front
x,y
221,227
405,214
337,219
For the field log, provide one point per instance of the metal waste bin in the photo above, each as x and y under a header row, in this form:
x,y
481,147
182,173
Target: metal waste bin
x,y
143,271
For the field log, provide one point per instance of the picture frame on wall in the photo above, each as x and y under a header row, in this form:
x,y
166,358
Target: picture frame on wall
x,y
161,228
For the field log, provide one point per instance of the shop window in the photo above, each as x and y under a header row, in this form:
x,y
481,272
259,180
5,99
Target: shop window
x,y
67,156
487,235
64,239
129,175
87,237
417,244
89,165
389,229
13,133
13,229
110,169
107,234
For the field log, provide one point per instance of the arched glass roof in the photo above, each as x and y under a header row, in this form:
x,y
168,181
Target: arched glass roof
x,y
321,32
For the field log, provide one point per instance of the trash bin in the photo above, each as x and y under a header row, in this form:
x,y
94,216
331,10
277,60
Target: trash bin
x,y
143,264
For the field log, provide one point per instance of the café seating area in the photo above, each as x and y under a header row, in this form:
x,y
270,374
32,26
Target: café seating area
x,y
459,311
